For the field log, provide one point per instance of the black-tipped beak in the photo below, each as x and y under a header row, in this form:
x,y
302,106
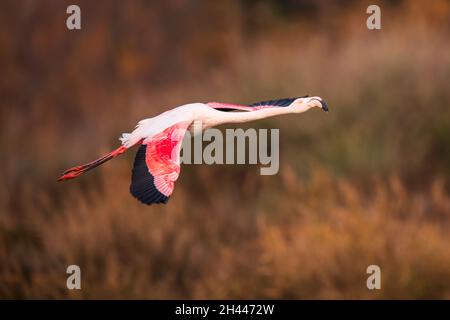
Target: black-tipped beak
x,y
324,105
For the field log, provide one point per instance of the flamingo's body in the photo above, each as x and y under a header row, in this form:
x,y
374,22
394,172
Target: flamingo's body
x,y
157,163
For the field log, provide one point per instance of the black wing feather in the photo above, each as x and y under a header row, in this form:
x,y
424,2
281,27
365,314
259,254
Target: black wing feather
x,y
142,182
276,103
273,103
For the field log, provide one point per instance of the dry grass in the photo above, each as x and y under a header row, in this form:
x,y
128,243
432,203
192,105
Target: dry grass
x,y
366,184
314,243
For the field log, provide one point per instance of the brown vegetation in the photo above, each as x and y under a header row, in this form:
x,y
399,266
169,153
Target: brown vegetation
x,y
365,184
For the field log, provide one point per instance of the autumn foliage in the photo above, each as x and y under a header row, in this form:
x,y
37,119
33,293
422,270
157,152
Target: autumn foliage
x,y
367,183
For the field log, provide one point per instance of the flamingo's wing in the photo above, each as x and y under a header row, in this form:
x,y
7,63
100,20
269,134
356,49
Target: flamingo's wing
x,y
254,106
275,103
228,106
157,165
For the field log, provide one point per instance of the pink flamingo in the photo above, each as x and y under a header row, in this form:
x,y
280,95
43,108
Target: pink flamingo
x,y
157,163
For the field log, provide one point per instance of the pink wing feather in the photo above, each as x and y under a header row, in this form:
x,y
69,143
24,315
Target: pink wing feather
x,y
157,165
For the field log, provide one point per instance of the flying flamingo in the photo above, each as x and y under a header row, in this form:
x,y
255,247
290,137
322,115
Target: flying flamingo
x,y
157,163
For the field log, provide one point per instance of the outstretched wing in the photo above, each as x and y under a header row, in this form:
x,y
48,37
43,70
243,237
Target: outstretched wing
x,y
157,165
275,103
254,106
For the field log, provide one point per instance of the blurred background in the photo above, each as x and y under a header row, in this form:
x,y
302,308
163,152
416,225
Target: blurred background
x,y
367,183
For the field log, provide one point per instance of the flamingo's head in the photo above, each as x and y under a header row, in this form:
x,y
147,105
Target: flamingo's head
x,y
306,103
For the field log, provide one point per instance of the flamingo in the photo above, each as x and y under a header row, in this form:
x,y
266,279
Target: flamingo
x,y
157,162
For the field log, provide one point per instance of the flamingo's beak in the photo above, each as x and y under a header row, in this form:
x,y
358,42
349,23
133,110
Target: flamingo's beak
x,y
324,105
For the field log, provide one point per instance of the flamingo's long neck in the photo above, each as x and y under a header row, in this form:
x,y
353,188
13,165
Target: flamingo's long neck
x,y
240,117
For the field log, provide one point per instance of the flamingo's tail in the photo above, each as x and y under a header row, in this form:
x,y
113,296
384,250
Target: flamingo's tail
x,y
78,170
